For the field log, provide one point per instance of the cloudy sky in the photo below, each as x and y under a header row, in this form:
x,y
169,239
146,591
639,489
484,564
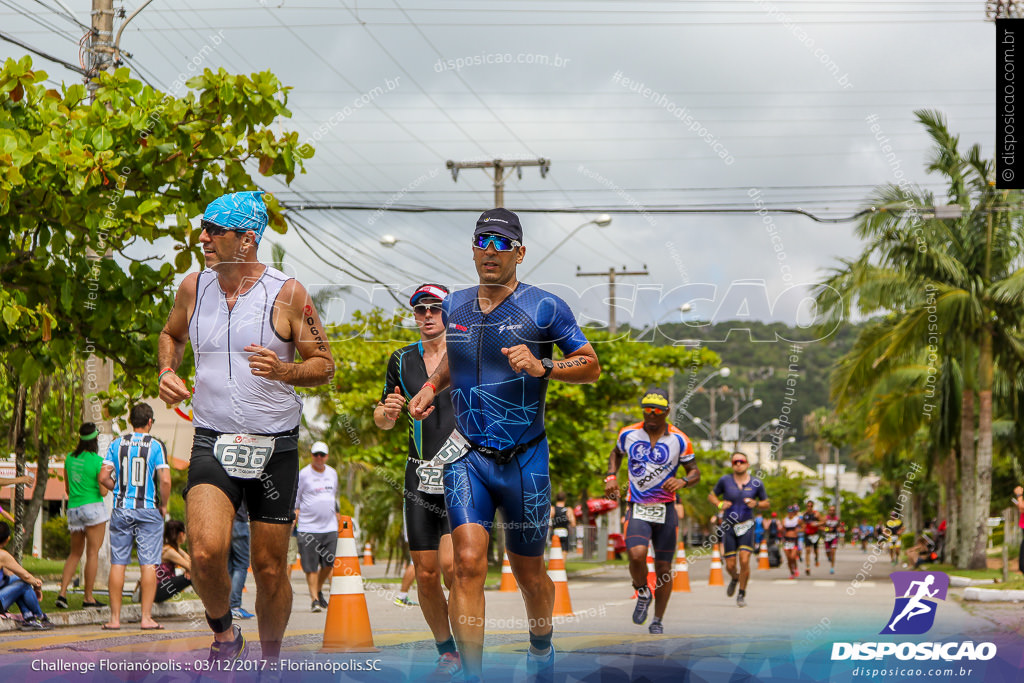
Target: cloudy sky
x,y
639,106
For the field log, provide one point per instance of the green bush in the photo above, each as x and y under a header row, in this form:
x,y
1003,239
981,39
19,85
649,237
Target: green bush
x,y
56,538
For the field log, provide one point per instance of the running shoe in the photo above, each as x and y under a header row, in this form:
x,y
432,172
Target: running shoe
x,y
808,570
794,575
61,602
831,570
315,606
241,613
656,628
643,603
731,590
741,601
323,601
229,650
35,624
405,602
448,664
541,668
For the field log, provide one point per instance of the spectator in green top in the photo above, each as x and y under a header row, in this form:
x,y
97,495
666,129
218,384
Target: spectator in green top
x,y
87,515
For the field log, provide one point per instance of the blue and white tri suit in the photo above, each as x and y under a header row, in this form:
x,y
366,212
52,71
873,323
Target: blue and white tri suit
x,y
497,408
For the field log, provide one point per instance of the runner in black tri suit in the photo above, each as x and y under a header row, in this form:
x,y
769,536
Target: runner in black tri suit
x,y
833,530
426,520
812,535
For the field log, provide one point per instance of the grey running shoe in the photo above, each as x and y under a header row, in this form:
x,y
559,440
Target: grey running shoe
x,y
448,664
731,590
541,668
315,606
656,628
229,650
741,601
643,603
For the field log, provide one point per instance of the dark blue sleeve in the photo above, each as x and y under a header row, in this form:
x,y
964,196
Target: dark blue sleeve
x,y
555,315
445,310
719,487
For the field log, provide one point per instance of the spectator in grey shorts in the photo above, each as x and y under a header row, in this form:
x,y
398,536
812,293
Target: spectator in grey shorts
x,y
134,467
316,519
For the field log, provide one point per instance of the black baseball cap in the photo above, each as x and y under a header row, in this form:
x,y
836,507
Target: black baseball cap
x,y
499,222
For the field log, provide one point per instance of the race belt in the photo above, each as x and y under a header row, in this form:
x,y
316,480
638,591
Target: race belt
x,y
741,528
503,456
653,514
431,473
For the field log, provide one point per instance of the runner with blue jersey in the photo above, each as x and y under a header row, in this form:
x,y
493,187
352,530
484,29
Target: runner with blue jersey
x,y
655,450
737,496
500,339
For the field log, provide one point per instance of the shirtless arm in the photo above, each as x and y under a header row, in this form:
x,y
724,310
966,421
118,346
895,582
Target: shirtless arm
x,y
297,315
172,341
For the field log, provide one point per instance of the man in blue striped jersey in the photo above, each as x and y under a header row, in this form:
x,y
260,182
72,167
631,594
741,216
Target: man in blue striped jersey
x,y
134,466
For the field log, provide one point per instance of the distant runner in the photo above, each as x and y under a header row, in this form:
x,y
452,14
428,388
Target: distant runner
x,y
654,450
737,496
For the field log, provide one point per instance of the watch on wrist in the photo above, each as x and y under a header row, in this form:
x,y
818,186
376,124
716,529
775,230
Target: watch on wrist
x,y
549,365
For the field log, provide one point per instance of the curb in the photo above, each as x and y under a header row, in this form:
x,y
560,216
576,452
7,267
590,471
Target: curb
x,y
992,595
130,613
963,581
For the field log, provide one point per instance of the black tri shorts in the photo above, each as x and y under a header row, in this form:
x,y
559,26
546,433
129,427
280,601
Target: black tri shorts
x,y
426,519
271,497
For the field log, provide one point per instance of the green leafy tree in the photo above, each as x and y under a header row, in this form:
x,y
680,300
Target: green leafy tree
x,y
951,287
83,185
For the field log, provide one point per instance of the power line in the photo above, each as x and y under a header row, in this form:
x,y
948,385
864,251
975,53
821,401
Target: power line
x,y
67,65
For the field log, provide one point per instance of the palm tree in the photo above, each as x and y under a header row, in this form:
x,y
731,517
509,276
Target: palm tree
x,y
953,288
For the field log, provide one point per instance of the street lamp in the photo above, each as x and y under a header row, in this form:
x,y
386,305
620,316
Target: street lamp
x,y
602,221
723,372
734,420
388,241
778,454
684,308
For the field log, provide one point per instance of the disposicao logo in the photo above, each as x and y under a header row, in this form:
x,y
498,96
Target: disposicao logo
x,y
916,594
913,614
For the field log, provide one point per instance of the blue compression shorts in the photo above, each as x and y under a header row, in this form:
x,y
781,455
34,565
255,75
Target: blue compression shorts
x,y
475,487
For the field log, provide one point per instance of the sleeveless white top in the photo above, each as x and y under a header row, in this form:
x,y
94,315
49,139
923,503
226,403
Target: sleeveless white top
x,y
228,397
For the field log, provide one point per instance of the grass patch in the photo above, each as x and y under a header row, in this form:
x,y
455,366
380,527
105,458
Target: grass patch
x,y
48,570
996,574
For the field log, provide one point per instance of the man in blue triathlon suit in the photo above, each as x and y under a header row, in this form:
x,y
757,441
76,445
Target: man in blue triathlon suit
x,y
500,338
654,451
737,496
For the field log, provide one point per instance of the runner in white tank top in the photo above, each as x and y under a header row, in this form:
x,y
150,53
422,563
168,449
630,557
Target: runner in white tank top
x,y
246,321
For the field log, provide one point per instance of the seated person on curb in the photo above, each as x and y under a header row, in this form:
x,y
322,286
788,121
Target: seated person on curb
x,y
168,582
17,585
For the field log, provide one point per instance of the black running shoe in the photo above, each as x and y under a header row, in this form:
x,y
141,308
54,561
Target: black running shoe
x,y
643,603
323,601
731,590
61,602
229,650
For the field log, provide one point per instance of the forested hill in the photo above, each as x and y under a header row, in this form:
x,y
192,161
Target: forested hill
x,y
758,355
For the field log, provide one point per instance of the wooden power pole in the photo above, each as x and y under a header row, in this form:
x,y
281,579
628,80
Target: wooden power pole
x,y
499,166
612,274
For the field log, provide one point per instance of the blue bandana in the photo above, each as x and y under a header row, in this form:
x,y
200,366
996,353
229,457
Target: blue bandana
x,y
239,211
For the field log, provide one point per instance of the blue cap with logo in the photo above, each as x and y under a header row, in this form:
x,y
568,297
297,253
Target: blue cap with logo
x,y
239,211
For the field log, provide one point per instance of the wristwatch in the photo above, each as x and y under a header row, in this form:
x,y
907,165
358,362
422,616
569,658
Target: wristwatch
x,y
549,365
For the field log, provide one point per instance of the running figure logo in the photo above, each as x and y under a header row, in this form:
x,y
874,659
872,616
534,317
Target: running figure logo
x,y
914,612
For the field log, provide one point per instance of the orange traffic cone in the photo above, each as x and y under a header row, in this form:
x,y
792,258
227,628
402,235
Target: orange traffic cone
x,y
348,621
611,550
556,571
762,557
652,579
367,555
681,578
508,579
715,577
297,565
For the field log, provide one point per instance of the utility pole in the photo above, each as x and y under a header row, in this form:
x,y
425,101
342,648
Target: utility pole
x,y
499,166
99,372
611,274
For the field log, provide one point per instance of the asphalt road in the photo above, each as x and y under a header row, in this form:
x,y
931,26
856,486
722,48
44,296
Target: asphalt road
x,y
785,620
